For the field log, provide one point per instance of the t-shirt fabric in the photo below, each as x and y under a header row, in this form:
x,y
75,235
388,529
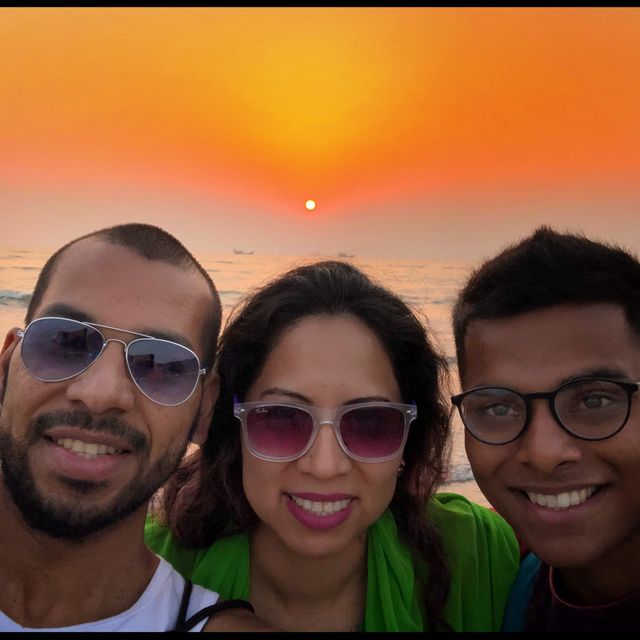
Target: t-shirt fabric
x,y
547,611
155,610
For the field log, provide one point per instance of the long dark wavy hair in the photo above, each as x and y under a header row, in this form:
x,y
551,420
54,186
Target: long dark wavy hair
x,y
205,499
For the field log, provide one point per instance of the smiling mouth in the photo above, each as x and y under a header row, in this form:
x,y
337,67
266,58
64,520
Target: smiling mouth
x,y
564,500
318,508
87,450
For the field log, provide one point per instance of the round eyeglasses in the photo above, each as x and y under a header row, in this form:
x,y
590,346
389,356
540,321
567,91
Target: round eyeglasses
x,y
587,408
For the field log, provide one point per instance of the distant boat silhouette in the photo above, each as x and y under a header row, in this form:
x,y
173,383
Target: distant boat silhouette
x,y
346,255
242,253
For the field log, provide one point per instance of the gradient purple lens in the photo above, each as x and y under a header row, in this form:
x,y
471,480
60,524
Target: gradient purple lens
x,y
373,432
55,349
278,431
166,371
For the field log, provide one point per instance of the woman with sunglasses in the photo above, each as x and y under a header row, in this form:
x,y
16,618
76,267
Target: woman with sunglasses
x,y
314,496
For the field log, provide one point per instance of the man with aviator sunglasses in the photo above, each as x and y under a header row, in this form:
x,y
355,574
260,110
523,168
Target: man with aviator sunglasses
x,y
100,395
547,336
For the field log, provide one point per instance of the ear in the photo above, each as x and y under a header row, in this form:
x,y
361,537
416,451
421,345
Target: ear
x,y
10,343
210,391
10,340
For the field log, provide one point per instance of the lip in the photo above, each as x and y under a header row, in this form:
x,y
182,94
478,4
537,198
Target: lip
x,y
90,436
557,489
321,497
550,516
318,522
67,464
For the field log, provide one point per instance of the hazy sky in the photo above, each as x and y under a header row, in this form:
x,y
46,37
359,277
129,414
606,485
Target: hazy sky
x,y
420,132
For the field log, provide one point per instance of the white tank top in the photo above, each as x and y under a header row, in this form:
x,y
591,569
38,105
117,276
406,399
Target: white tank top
x,y
156,609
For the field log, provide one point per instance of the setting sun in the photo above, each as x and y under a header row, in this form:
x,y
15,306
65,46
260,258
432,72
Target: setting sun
x,y
310,205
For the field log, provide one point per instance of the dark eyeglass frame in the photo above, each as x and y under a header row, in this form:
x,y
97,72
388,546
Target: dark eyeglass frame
x,y
628,386
142,337
242,409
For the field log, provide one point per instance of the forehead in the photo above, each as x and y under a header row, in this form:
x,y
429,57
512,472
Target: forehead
x,y
323,353
542,348
316,335
115,286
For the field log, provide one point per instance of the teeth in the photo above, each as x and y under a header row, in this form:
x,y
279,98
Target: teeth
x,y
321,508
561,500
87,450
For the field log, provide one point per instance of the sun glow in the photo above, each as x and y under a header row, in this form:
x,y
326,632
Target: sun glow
x,y
310,205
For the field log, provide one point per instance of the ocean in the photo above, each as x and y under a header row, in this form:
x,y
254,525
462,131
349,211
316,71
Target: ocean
x,y
428,286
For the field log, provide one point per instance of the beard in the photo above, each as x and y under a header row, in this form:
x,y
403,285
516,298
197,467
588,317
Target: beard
x,y
78,517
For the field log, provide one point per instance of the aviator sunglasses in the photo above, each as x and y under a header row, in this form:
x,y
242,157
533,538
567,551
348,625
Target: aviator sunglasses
x,y
56,349
367,431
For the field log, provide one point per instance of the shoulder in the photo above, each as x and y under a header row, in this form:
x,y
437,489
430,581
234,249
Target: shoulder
x,y
471,532
235,618
453,513
521,593
160,540
483,558
222,566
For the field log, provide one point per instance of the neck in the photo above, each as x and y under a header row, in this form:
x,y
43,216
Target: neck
x,y
609,580
302,593
52,582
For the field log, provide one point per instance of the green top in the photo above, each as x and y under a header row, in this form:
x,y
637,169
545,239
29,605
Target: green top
x,y
481,548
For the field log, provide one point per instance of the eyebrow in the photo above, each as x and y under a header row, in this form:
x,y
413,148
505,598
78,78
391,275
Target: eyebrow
x,y
63,310
597,372
302,398
594,372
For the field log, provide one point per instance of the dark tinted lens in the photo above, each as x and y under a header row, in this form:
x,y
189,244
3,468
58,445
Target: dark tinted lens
x,y
372,432
167,372
278,431
593,408
493,415
54,349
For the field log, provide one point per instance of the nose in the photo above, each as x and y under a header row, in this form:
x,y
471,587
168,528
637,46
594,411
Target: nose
x,y
325,459
106,384
545,445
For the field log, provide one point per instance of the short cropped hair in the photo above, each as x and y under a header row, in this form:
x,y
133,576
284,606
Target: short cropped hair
x,y
547,269
151,243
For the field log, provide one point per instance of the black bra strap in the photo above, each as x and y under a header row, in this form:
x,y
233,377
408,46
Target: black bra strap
x,y
182,624
211,610
184,605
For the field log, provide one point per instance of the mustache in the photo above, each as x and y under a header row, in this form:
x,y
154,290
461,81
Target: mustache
x,y
85,420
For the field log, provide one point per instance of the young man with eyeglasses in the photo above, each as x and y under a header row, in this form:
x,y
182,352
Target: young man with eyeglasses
x,y
100,394
548,343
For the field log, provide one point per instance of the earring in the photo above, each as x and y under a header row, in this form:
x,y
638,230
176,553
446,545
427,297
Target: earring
x,y
401,468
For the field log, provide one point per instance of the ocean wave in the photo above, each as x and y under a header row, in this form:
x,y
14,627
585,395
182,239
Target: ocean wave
x,y
413,299
461,473
14,297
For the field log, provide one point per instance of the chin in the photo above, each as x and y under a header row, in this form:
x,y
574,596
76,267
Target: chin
x,y
565,554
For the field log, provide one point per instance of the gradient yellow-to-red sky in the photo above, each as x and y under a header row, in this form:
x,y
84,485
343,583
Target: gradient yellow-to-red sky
x,y
352,107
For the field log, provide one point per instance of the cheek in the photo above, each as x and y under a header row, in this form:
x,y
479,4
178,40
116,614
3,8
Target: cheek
x,y
484,459
261,481
381,480
24,396
622,453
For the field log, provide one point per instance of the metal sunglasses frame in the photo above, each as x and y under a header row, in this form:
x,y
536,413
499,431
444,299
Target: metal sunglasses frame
x,y
105,341
241,410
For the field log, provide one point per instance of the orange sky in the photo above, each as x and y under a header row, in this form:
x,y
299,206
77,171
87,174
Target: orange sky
x,y
421,132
